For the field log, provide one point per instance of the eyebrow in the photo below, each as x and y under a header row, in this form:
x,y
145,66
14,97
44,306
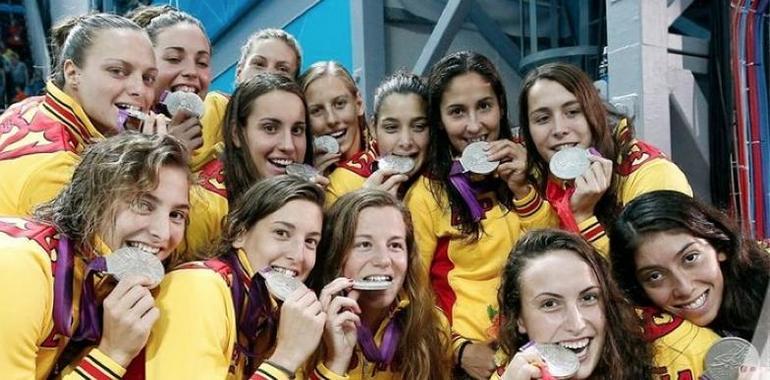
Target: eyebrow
x,y
286,224
547,110
156,200
677,254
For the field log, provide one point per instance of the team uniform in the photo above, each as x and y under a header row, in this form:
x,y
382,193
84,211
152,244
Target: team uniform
x,y
41,140
208,207
32,341
465,274
350,175
214,108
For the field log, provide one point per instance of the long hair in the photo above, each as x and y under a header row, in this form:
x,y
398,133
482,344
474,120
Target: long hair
x,y
422,350
745,271
115,170
598,116
271,34
71,39
321,69
154,19
440,150
239,170
624,343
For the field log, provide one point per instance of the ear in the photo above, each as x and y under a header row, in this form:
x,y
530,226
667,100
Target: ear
x,y
239,241
721,257
359,105
71,74
520,326
234,136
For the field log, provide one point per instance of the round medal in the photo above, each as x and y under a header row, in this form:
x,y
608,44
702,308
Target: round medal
x,y
302,170
189,101
371,285
326,144
474,159
562,363
727,355
129,261
569,163
399,164
279,284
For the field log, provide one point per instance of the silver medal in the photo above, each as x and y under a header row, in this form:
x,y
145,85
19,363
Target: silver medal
x,y
189,101
562,363
474,159
399,164
371,285
727,355
279,284
569,163
326,144
129,261
302,170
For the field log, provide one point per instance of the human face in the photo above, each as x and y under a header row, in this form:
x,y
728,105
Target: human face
x,y
680,273
470,111
568,312
155,221
556,119
379,249
118,72
271,56
335,111
184,54
285,240
275,132
402,128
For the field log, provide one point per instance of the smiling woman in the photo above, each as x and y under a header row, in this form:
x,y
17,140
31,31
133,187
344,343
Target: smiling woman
x,y
129,190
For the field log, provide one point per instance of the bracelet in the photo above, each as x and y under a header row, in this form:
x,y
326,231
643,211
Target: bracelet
x,y
461,351
281,368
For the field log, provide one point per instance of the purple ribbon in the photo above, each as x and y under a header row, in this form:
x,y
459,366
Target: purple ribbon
x,y
382,356
122,117
462,183
89,325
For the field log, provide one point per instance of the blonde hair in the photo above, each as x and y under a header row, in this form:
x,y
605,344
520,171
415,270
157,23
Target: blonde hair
x,y
271,34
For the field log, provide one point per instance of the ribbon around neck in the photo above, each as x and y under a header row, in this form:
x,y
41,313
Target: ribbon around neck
x,y
559,197
382,356
462,183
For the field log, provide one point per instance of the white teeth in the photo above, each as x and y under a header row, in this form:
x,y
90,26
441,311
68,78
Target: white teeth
x,y
284,271
128,106
338,134
378,278
575,345
143,247
281,161
184,88
477,139
697,303
564,146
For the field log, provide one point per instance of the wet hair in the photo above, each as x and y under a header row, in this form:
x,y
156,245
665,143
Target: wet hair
x,y
745,271
400,82
597,114
113,171
624,342
239,170
154,19
271,34
71,39
321,69
421,351
440,150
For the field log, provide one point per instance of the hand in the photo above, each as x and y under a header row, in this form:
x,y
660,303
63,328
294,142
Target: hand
x,y
340,334
525,365
323,160
750,372
155,124
129,314
590,187
513,166
386,180
321,181
299,329
478,360
187,128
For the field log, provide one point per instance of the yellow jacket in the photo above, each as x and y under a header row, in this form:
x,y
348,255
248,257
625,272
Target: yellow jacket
x,y
30,346
40,143
350,175
208,207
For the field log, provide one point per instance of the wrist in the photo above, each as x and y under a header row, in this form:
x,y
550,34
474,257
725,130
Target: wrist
x,y
119,357
461,352
284,361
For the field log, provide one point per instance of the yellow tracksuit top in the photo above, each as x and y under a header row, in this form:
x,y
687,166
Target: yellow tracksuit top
x,y
40,143
196,336
350,175
208,206
465,275
214,107
30,347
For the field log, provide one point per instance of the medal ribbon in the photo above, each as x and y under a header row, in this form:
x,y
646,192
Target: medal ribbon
x,y
258,315
559,196
462,183
89,326
382,356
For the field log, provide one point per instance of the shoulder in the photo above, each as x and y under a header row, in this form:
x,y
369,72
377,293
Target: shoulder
x,y
361,164
26,131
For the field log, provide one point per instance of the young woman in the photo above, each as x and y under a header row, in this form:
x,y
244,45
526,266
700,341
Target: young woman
x,y
105,63
336,109
560,108
129,190
400,128
269,50
183,52
219,320
584,311
464,223
689,259
265,129
396,333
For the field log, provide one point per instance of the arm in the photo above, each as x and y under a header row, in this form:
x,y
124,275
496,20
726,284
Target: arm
x,y
421,205
48,174
534,211
658,174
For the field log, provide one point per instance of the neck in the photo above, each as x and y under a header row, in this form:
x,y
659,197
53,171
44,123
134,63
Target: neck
x,y
373,317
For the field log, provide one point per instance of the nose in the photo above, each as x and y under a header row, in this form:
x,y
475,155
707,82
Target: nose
x,y
189,71
560,126
474,125
160,229
331,116
286,142
135,85
405,140
380,258
574,321
682,287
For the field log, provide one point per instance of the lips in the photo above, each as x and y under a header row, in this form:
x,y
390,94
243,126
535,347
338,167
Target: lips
x,y
578,346
563,146
696,303
144,247
184,88
284,271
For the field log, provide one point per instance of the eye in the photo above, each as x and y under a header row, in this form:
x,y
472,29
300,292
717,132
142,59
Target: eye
x,y
270,128
298,130
455,111
281,233
390,127
142,206
203,64
397,245
590,298
283,69
179,217
691,257
173,59
549,304
573,112
653,277
364,244
340,103
311,243
149,79
485,105
419,127
315,111
117,71
541,119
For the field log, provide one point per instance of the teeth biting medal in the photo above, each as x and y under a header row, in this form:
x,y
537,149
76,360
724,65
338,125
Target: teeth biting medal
x,y
279,284
128,261
474,159
302,170
399,164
